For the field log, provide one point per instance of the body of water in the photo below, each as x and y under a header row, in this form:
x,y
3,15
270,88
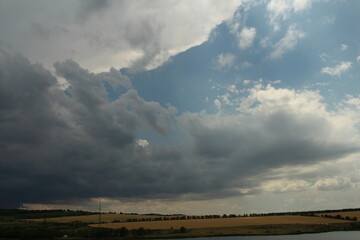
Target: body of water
x,y
350,235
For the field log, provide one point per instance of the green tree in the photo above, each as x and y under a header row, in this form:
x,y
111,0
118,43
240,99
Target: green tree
x,y
183,230
123,232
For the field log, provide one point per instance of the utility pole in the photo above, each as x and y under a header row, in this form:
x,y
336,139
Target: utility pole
x,y
99,213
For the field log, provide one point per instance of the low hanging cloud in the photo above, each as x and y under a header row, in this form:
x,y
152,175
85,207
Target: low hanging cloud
x,y
337,70
79,145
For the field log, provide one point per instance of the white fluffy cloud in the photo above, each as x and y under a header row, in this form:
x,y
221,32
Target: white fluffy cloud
x,y
217,103
352,107
336,183
288,42
226,60
354,101
343,47
337,70
246,37
246,82
303,105
298,185
285,186
142,142
281,9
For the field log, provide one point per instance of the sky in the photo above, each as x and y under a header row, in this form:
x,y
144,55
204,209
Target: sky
x,y
193,107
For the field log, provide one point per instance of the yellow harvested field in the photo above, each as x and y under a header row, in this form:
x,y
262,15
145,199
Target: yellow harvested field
x,y
108,218
344,214
222,222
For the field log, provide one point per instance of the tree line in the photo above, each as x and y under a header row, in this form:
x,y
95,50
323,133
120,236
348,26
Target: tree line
x,y
319,213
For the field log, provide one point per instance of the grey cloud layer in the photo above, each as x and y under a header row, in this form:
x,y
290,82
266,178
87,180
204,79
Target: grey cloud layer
x,y
104,33
80,145
89,7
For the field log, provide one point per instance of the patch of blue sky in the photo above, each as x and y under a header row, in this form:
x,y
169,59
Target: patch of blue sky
x,y
184,80
113,93
335,38
326,36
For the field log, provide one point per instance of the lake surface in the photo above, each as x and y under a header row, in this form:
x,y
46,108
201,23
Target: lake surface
x,y
350,235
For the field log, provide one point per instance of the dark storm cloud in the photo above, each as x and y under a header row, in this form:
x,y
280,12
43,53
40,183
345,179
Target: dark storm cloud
x,y
25,91
57,146
27,120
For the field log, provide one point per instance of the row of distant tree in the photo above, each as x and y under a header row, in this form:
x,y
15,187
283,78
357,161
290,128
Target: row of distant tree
x,y
338,216
320,213
24,214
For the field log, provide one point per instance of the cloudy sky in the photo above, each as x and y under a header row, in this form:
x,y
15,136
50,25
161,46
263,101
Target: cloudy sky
x,y
195,107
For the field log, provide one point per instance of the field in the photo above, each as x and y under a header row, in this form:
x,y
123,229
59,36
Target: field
x,y
222,222
54,224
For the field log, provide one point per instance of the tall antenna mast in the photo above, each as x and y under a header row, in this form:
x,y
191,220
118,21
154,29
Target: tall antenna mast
x,y
99,212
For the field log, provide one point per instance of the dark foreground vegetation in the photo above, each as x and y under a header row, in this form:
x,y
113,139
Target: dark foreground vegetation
x,y
13,225
26,230
74,230
28,214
